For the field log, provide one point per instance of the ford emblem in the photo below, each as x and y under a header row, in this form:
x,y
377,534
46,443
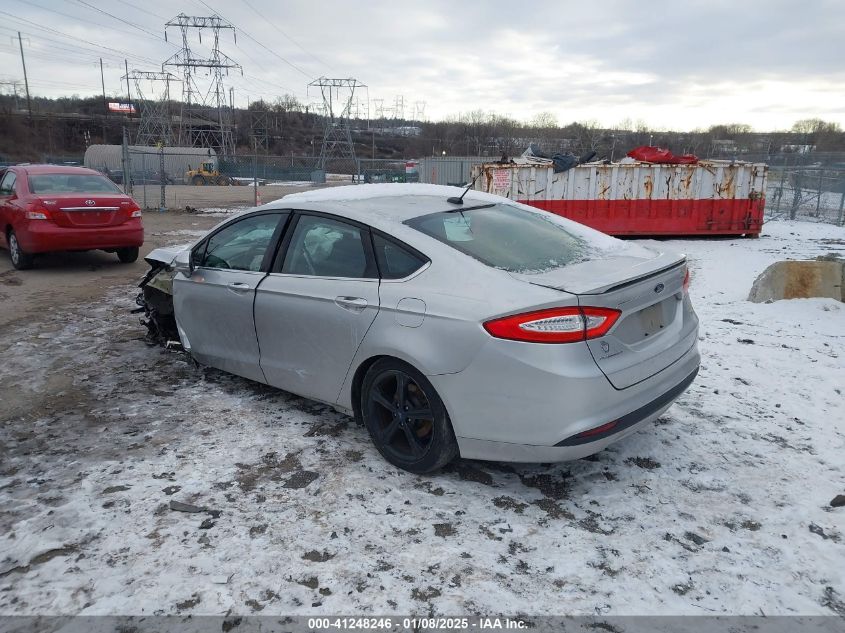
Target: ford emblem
x,y
90,203
659,288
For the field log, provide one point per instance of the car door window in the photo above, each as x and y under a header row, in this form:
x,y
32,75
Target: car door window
x,y
198,254
323,247
7,185
396,261
241,245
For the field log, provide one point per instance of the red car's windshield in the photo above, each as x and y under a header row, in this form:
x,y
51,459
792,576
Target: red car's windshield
x,y
71,183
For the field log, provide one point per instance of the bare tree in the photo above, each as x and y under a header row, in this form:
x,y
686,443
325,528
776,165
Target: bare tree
x,y
544,121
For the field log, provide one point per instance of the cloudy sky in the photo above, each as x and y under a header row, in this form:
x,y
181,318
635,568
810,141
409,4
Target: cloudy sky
x,y
673,65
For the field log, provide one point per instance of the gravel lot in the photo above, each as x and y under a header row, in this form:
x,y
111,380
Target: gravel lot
x,y
721,507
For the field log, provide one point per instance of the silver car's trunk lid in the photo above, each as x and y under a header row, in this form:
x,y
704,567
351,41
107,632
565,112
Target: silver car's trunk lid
x,y
600,275
657,324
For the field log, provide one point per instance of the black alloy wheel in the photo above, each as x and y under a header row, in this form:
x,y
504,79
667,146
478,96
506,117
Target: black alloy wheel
x,y
406,418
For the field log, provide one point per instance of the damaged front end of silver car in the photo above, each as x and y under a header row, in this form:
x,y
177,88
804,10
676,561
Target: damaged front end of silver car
x,y
155,300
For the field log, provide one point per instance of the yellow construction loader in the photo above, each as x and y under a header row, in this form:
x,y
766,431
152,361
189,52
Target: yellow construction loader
x,y
207,174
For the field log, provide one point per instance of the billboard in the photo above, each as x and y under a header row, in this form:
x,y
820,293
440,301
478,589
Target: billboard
x,y
123,108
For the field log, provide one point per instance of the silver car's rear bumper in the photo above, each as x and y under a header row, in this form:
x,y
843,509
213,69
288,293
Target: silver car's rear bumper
x,y
531,409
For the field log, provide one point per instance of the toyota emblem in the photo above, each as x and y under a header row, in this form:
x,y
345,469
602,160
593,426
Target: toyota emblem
x,y
90,203
659,288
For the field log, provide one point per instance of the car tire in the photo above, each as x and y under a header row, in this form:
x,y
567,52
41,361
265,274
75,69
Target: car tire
x,y
392,389
127,255
21,260
198,181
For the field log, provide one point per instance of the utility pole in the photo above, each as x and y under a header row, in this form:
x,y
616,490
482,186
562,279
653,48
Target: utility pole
x,y
230,115
105,103
103,81
128,92
25,80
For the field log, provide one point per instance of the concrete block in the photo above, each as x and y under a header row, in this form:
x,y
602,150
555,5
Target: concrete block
x,y
799,280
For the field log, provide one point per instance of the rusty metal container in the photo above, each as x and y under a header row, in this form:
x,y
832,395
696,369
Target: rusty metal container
x,y
708,198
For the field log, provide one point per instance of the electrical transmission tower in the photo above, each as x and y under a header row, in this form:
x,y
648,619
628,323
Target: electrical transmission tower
x,y
338,97
399,107
206,112
259,123
378,106
153,90
419,110
11,88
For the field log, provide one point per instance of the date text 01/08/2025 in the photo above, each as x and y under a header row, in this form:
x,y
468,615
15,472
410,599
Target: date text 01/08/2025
x,y
416,624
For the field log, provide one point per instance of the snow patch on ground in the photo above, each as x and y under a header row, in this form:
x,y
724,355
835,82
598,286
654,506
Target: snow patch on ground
x,y
178,233
224,211
720,507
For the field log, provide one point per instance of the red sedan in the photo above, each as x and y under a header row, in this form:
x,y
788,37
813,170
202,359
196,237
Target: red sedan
x,y
46,208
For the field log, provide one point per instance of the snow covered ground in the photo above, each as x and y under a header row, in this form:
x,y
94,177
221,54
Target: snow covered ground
x,y
721,507
224,212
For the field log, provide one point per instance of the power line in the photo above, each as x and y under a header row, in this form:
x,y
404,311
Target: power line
x,y
79,19
275,26
72,37
42,56
134,26
137,8
269,50
57,52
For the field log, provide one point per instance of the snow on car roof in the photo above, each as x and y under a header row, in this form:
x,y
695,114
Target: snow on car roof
x,y
383,205
351,193
377,205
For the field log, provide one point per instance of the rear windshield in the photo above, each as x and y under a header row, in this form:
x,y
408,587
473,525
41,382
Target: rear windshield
x,y
505,237
71,183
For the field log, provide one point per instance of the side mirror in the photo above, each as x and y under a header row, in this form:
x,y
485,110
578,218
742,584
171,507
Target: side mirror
x,y
183,263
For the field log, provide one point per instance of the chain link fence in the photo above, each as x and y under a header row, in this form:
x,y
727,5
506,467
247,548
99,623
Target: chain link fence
x,y
815,194
178,177
808,187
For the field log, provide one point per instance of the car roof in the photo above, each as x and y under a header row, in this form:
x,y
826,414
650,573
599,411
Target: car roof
x,y
57,169
382,205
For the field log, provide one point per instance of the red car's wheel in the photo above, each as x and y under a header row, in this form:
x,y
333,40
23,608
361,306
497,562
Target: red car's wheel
x,y
127,255
20,259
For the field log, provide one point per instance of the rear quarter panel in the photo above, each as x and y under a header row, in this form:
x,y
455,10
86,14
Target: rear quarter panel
x,y
433,320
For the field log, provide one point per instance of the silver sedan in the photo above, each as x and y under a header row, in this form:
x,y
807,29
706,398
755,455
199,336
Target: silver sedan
x,y
485,328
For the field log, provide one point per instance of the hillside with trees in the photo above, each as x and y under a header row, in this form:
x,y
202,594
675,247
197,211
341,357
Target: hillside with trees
x,y
66,126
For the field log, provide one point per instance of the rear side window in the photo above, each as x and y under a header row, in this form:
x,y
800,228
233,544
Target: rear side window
x,y
241,245
395,261
322,247
505,237
71,183
7,185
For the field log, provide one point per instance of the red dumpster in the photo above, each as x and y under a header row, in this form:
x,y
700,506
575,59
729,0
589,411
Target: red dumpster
x,y
636,198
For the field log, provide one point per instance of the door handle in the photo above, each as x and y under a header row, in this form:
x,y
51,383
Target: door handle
x,y
353,304
239,287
